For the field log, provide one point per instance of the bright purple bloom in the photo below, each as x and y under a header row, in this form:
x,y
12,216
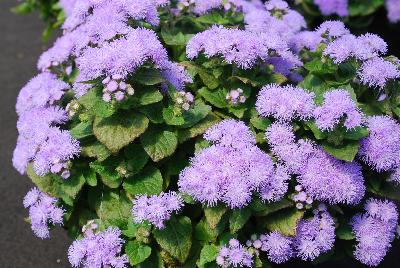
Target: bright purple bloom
x,y
393,9
376,72
33,127
285,103
278,247
374,231
306,39
381,149
98,250
332,29
338,105
234,255
232,169
314,236
68,6
240,47
274,189
55,152
322,176
329,7
156,208
42,212
41,91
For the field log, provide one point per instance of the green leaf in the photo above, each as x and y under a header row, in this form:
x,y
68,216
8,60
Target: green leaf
x,y
198,129
148,76
238,219
344,232
153,112
260,123
137,252
90,177
107,168
176,238
319,67
204,232
82,130
136,157
110,204
346,152
178,39
356,134
263,209
131,229
213,18
159,143
285,222
186,119
364,7
208,254
94,103
214,215
119,130
149,182
58,187
318,134
216,97
95,150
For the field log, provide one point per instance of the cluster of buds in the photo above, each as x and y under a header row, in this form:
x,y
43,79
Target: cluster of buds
x,y
184,100
256,242
90,228
302,199
189,5
72,108
186,4
234,255
320,209
235,96
62,168
115,88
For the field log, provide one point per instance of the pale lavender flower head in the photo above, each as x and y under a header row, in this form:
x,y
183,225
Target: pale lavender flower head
x,y
274,189
332,29
156,209
230,170
234,255
42,212
329,7
33,129
314,236
278,247
338,105
285,103
393,10
376,72
327,179
381,149
41,91
100,249
239,47
176,75
53,153
395,176
305,39
374,231
230,133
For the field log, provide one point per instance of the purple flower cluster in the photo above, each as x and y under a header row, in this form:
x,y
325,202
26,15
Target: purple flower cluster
x,y
156,209
98,250
322,176
241,47
329,7
314,236
393,9
278,247
377,71
381,149
338,105
68,6
285,103
123,56
41,91
201,7
43,143
232,169
361,48
374,231
234,255
42,212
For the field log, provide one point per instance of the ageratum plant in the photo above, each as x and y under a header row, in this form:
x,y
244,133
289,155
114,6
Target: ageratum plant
x,y
211,133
